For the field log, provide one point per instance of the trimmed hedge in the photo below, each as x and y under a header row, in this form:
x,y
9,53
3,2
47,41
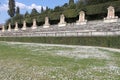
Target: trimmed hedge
x,y
102,8
111,41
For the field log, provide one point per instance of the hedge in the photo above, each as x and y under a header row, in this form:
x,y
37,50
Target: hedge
x,y
110,41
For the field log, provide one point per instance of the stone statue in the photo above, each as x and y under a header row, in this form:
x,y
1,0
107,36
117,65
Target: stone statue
x,y
82,19
62,21
9,27
34,26
16,26
46,25
111,15
24,25
3,28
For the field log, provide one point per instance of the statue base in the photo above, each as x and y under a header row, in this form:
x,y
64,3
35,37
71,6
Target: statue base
x,y
16,29
24,28
81,23
106,20
46,26
3,30
9,30
34,27
61,25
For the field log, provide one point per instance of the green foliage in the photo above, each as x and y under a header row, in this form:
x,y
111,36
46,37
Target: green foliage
x,y
11,11
94,11
71,2
69,13
110,41
34,12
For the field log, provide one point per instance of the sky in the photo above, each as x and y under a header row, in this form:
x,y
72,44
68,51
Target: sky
x,y
28,5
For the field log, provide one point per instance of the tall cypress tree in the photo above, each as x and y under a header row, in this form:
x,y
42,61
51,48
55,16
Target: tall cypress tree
x,y
17,11
42,10
71,2
11,6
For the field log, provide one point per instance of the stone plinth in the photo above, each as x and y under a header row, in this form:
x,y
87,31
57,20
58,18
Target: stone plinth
x,y
16,26
9,27
111,15
24,25
3,28
47,24
34,26
62,21
82,19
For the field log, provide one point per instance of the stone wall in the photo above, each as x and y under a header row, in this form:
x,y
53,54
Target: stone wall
x,y
92,28
109,26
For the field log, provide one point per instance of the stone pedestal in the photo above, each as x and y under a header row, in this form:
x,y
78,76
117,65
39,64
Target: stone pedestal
x,y
24,25
3,28
62,21
82,19
16,26
9,27
46,25
34,26
111,15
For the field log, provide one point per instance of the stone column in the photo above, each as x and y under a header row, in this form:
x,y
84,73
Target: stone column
x,y
111,15
34,26
9,27
3,28
47,24
62,21
16,26
24,25
82,19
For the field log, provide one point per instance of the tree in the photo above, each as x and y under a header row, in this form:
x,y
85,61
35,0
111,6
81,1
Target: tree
x,y
34,12
71,2
17,11
58,9
42,10
11,6
26,14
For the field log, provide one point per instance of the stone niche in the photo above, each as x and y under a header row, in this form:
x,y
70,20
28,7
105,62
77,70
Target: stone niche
x,y
62,21
16,26
34,26
9,27
24,25
82,19
47,24
111,15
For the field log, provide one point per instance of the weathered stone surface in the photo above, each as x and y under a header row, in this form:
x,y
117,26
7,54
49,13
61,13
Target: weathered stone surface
x,y
82,19
62,21
9,27
16,26
34,26
24,25
111,15
47,24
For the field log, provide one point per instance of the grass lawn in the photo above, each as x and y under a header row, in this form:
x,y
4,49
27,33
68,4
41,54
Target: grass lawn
x,y
32,61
